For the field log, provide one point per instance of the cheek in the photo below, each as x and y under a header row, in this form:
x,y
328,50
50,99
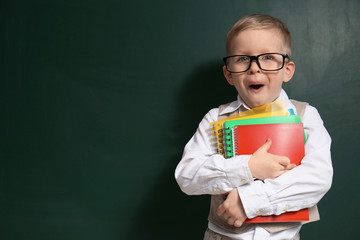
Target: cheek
x,y
238,81
238,85
277,80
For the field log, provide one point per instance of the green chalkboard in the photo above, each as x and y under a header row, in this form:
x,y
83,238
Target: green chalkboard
x,y
99,98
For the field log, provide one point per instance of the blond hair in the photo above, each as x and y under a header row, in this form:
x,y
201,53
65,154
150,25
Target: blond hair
x,y
259,21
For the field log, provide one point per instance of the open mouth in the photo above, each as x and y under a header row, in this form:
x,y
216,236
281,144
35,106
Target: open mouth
x,y
256,86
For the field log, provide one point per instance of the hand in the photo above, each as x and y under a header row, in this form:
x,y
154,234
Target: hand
x,y
265,165
232,209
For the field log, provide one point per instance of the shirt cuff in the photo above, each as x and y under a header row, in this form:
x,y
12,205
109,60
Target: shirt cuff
x,y
254,199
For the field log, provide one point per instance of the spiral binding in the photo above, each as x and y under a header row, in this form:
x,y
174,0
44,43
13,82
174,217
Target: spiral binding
x,y
228,143
236,148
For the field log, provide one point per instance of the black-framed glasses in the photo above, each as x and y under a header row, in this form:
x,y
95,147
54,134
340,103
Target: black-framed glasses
x,y
266,62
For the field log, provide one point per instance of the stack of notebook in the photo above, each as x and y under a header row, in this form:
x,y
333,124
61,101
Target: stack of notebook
x,y
244,133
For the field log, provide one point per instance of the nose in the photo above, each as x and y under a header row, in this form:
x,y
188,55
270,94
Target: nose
x,y
254,67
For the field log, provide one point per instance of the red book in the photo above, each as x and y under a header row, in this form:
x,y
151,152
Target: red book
x,y
287,140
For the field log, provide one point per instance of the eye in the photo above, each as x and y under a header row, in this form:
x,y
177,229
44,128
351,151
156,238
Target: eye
x,y
242,59
267,57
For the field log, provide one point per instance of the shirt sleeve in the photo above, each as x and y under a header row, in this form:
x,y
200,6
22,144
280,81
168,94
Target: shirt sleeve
x,y
203,171
302,187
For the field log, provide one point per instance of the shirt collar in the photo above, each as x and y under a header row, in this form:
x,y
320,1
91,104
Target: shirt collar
x,y
239,103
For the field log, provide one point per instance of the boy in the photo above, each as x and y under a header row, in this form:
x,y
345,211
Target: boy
x,y
258,61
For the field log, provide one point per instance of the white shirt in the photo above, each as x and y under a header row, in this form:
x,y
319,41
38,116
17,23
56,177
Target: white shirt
x,y
203,171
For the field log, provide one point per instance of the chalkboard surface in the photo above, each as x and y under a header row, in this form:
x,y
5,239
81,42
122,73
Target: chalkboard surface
x,y
99,98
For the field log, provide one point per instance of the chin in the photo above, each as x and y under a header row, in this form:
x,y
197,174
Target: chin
x,y
256,104
259,102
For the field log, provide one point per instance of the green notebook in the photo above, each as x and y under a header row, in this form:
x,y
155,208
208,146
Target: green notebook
x,y
229,127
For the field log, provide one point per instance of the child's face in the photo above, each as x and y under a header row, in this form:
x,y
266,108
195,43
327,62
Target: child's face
x,y
255,86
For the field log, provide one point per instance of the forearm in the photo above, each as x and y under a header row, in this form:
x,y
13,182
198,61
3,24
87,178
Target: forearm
x,y
203,171
299,188
197,174
292,191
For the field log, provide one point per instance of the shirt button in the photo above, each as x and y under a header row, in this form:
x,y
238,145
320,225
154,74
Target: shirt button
x,y
244,180
286,207
258,212
218,190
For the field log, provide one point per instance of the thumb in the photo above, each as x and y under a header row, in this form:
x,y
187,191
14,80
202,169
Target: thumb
x,y
266,145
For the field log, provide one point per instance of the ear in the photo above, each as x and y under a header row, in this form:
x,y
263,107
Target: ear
x,y
289,71
228,76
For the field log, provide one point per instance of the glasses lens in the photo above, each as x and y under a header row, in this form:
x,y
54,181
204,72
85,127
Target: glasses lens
x,y
271,61
238,63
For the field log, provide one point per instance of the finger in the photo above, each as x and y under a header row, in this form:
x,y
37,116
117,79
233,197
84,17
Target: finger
x,y
230,221
284,161
290,166
266,145
226,216
221,210
238,223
